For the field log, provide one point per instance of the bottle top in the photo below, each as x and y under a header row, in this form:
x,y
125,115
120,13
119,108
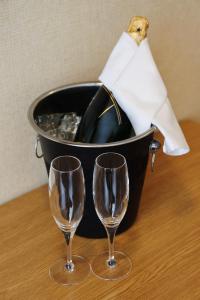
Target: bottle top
x,y
137,28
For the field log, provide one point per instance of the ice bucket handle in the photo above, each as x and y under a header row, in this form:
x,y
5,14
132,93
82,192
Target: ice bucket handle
x,y
153,148
36,148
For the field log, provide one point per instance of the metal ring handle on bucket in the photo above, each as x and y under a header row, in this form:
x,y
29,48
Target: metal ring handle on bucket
x,y
153,148
36,148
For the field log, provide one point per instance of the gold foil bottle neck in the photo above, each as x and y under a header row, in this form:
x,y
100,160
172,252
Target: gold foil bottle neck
x,y
137,28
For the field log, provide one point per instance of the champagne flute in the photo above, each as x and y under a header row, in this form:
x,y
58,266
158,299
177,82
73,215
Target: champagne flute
x,y
67,196
111,192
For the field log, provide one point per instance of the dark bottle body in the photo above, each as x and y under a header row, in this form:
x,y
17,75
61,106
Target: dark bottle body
x,y
104,121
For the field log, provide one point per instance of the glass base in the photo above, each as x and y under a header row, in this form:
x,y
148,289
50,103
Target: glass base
x,y
59,273
120,270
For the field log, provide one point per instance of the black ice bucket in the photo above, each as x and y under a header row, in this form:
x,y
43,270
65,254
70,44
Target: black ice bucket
x,y
75,98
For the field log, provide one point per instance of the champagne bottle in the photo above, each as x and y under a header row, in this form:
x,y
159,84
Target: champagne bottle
x,y
104,121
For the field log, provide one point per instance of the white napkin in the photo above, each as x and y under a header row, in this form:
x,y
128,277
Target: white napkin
x,y
132,76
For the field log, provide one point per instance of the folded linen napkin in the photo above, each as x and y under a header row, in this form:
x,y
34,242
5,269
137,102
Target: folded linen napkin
x,y
132,76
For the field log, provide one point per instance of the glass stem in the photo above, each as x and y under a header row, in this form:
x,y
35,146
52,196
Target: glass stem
x,y
69,265
111,231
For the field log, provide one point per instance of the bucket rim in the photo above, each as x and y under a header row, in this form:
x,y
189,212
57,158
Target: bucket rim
x,y
40,132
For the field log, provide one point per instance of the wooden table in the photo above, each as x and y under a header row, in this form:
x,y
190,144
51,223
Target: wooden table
x,y
164,244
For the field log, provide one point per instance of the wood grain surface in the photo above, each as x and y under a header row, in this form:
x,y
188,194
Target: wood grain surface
x,y
164,243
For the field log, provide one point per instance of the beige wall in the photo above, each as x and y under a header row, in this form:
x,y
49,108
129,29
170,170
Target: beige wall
x,y
46,43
